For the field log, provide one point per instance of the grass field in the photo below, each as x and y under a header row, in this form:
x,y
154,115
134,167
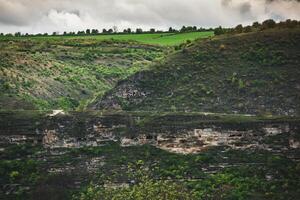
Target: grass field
x,y
166,39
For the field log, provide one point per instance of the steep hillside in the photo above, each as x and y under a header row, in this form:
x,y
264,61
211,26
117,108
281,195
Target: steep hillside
x,y
64,73
254,73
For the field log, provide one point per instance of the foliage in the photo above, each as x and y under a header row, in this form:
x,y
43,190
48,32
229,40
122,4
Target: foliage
x,y
143,187
229,74
49,74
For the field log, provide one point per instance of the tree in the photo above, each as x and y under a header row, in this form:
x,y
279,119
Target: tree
x,y
267,24
95,31
88,31
1,34
104,30
110,30
171,30
183,29
128,30
152,30
239,28
256,25
139,30
219,31
247,29
143,187
290,23
80,33
18,34
201,29
54,33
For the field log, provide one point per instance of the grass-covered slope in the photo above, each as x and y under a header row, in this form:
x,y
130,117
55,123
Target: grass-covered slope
x,y
65,73
255,73
165,39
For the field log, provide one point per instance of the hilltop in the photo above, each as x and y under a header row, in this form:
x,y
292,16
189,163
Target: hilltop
x,y
253,73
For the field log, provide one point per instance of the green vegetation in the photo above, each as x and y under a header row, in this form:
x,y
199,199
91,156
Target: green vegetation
x,y
152,168
144,172
153,84
256,26
168,39
67,72
254,73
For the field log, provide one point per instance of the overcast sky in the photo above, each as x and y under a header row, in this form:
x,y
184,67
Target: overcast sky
x,y
34,16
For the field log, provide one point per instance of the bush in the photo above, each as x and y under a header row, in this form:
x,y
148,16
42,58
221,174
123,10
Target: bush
x,y
143,187
270,23
222,47
239,28
219,31
256,25
247,29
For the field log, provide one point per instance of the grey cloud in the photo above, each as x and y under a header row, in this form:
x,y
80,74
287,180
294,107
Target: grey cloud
x,y
245,8
71,15
12,13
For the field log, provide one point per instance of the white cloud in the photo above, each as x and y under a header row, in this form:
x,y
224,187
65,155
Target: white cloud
x,y
72,15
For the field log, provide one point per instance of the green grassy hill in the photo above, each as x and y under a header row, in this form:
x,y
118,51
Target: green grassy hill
x,y
66,72
165,39
255,73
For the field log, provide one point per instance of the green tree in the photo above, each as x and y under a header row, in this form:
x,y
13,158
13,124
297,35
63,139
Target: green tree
x,y
256,25
142,187
270,23
152,30
139,31
239,28
95,31
18,34
219,31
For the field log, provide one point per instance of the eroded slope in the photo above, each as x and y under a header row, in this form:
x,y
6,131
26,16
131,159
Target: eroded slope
x,y
63,74
256,73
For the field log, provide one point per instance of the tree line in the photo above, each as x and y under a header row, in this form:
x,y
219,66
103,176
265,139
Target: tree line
x,y
113,30
256,26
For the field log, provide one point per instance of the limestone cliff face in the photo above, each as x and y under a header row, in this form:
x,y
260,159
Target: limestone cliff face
x,y
61,140
81,129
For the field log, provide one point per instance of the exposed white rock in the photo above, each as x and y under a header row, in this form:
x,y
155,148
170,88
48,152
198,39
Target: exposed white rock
x,y
50,137
294,144
56,112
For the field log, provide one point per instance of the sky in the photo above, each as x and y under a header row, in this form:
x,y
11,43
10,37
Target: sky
x,y
40,16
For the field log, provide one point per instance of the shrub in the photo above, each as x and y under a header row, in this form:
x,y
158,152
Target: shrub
x,y
143,187
256,25
239,28
270,23
247,29
219,31
188,41
222,47
14,175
